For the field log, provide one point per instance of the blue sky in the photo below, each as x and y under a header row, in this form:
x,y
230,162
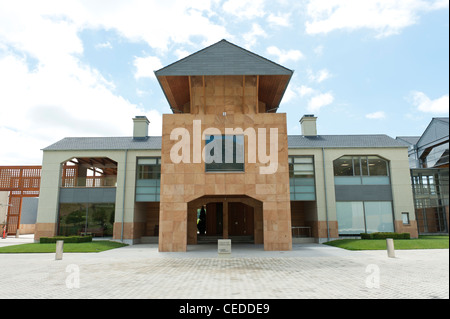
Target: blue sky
x,y
85,68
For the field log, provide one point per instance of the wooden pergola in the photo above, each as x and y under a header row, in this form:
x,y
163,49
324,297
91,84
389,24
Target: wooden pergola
x,y
20,182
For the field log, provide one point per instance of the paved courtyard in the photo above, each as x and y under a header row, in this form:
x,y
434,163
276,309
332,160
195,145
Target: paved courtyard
x,y
309,271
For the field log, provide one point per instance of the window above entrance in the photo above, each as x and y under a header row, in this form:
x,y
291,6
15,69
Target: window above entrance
x,y
361,170
224,153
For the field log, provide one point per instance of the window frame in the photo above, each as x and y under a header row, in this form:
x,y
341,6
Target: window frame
x,y
215,167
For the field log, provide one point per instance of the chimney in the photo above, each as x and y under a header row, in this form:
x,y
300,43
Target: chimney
x,y
140,130
308,123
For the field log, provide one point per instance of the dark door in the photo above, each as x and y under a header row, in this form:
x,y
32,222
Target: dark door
x,y
214,219
240,219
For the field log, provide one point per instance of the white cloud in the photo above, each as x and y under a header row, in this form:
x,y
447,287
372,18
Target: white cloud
x,y
304,90
386,17
47,104
180,53
319,50
285,55
60,95
320,76
251,37
280,20
319,101
56,23
104,45
246,9
145,67
376,115
425,104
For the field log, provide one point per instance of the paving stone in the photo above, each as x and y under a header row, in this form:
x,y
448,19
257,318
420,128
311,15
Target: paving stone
x,y
309,271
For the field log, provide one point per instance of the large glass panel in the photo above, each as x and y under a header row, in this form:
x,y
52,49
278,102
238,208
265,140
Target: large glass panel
x,y
343,166
149,168
100,220
376,180
357,166
356,170
86,219
350,217
364,166
379,217
301,182
377,166
72,219
148,180
347,180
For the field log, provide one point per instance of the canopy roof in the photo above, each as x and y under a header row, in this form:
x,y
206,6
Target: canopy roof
x,y
221,59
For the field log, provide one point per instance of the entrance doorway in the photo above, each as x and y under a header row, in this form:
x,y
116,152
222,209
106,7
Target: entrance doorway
x,y
236,218
214,219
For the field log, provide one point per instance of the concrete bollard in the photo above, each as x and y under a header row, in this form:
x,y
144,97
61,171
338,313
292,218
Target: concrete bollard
x,y
17,233
224,247
59,249
390,247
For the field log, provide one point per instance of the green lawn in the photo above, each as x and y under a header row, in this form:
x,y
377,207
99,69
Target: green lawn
x,y
91,247
424,242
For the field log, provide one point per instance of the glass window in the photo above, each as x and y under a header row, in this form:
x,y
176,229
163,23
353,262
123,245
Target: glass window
x,y
148,180
72,219
343,166
361,170
301,178
377,166
364,166
350,217
86,219
224,153
405,218
378,217
355,218
149,168
357,166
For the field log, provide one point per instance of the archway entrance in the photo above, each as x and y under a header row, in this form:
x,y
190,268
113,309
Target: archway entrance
x,y
238,218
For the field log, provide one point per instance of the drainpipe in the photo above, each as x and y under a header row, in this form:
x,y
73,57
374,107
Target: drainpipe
x,y
326,198
124,184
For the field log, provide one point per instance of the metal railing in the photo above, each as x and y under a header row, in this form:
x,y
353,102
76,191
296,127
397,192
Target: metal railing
x,y
301,231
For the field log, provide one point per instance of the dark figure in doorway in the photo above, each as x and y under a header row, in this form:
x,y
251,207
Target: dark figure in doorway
x,y
202,222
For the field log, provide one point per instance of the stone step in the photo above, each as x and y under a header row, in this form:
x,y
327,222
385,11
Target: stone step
x,y
234,239
149,239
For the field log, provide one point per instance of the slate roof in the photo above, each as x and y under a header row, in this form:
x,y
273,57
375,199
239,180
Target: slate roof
x,y
105,143
223,58
409,140
343,141
294,141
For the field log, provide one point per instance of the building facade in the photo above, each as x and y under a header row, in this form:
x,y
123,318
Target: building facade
x,y
19,194
429,163
225,154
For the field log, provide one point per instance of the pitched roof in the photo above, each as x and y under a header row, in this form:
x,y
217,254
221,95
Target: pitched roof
x,y
223,58
343,141
294,141
409,140
105,143
436,132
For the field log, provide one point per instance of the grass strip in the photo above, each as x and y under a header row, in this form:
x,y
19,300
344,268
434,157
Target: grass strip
x,y
423,242
91,247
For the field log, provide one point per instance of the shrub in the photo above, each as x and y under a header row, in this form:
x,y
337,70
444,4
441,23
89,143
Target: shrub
x,y
66,239
385,235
